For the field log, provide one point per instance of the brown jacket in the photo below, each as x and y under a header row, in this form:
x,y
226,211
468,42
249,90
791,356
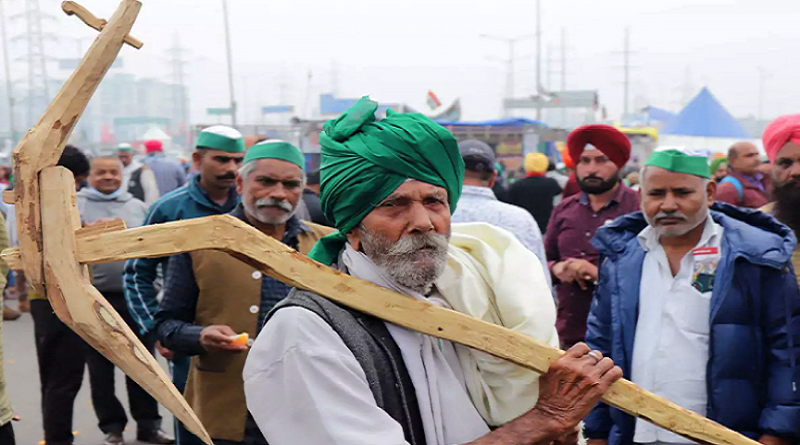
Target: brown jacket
x,y
230,294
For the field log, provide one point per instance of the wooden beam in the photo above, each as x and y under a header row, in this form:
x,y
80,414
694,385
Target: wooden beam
x,y
43,144
73,8
81,307
13,257
231,235
8,196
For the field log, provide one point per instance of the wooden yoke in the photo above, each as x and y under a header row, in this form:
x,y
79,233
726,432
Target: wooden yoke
x,y
42,145
233,236
47,218
81,306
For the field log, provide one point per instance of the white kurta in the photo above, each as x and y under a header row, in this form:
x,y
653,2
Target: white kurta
x,y
670,350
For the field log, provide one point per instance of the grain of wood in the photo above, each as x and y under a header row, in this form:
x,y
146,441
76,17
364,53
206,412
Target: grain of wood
x,y
13,257
81,307
272,257
8,196
43,144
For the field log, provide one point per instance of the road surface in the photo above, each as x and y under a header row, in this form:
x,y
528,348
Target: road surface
x,y
22,377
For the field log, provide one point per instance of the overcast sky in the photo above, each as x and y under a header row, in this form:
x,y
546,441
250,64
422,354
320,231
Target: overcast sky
x,y
397,50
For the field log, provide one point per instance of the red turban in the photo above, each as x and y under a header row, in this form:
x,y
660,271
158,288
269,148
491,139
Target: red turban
x,y
780,131
153,146
612,142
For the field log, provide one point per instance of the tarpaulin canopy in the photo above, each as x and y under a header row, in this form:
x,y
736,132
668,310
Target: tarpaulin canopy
x,y
704,116
505,122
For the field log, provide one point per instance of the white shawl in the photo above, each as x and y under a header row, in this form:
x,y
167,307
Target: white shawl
x,y
490,275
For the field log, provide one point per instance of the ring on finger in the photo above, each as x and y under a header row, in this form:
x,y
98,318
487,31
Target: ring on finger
x,y
595,356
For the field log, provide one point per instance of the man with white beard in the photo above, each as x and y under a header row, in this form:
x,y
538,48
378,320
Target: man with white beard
x,y
210,298
321,374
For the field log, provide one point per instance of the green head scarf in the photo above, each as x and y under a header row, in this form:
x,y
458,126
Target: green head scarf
x,y
716,163
364,161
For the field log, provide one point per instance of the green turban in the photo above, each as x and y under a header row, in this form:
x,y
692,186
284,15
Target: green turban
x,y
364,161
716,163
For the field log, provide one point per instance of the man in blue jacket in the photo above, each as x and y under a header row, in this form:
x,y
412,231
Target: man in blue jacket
x,y
697,302
219,155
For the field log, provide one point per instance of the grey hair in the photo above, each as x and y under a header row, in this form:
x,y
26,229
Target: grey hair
x,y
248,168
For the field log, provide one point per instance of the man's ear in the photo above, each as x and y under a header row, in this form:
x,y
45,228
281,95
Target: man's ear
x,y
711,191
196,158
354,238
492,180
239,184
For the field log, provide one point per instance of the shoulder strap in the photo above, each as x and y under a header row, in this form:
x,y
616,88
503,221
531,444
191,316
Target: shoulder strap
x,y
737,184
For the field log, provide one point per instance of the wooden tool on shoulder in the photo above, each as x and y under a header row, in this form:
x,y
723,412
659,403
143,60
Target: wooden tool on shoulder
x,y
54,251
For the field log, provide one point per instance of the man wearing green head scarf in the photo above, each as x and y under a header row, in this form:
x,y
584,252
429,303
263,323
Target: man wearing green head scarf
x,y
211,298
698,303
322,374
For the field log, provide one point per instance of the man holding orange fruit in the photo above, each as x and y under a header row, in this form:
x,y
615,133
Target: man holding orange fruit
x,y
214,304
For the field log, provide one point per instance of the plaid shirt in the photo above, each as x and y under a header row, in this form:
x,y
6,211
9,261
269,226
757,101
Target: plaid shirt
x,y
174,320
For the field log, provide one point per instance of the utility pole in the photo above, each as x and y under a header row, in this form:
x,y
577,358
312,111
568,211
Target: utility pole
x,y
177,64
509,61
627,67
334,77
230,61
538,57
762,78
7,65
38,81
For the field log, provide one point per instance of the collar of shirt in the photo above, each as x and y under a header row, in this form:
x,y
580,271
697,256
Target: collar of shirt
x,y
475,191
293,226
649,239
614,199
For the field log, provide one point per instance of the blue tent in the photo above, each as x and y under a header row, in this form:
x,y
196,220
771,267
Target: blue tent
x,y
659,114
704,116
505,122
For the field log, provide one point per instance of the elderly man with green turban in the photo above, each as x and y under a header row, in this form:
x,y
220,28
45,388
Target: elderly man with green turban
x,y
322,374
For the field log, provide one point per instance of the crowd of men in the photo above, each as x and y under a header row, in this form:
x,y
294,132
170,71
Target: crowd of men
x,y
646,275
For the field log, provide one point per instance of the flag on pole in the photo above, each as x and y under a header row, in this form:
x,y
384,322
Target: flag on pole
x,y
433,101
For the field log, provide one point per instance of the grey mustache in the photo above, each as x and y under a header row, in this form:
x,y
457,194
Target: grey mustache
x,y
662,215
269,202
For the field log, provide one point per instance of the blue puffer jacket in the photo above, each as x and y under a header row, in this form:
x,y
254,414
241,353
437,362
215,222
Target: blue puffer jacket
x,y
754,346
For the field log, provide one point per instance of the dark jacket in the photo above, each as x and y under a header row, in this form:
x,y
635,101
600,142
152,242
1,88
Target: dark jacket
x,y
535,194
311,201
754,343
753,197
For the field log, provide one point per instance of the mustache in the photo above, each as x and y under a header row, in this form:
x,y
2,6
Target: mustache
x,y
669,215
270,202
227,176
414,243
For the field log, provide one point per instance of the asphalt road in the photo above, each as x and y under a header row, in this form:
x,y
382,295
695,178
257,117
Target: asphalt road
x,y
22,377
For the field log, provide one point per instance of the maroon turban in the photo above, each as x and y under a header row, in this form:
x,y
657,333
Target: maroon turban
x,y
612,142
780,131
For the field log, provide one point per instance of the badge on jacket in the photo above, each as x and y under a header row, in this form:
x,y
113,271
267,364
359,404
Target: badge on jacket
x,y
705,268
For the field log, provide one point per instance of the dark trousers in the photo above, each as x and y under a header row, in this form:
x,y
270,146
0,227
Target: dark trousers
x,y
61,356
180,373
7,434
110,412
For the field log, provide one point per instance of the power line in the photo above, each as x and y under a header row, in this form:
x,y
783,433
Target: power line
x,y
509,61
178,62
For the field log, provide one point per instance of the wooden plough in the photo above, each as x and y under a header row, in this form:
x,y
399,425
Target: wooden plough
x,y
54,251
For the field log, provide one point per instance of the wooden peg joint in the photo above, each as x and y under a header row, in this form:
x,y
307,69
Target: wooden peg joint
x,y
73,8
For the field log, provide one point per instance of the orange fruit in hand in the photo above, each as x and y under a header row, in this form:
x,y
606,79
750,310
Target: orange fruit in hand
x,y
240,340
